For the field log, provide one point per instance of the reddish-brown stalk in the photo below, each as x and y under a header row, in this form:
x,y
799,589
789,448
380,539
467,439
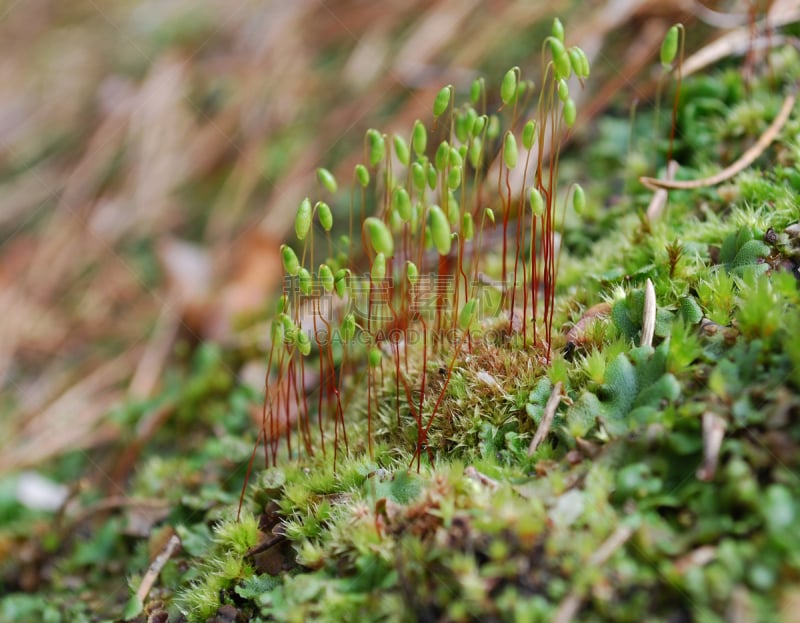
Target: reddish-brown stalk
x,y
339,417
321,376
369,371
506,208
274,413
304,421
438,402
423,374
287,399
267,404
249,471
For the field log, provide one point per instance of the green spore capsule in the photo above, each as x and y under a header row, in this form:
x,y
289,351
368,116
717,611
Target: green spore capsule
x,y
418,176
510,152
302,220
288,328
467,226
442,157
454,178
325,215
578,200
462,127
419,138
379,235
325,275
442,100
340,282
455,158
395,221
479,124
378,271
348,327
579,62
375,357
489,214
440,230
669,47
377,146
304,280
493,131
283,304
401,149
475,90
537,202
558,30
563,90
411,272
466,315
430,171
326,178
561,64
528,134
290,262
475,153
362,175
508,87
570,112
303,342
453,212
401,203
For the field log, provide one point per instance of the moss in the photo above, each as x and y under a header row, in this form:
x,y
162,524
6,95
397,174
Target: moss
x,y
485,531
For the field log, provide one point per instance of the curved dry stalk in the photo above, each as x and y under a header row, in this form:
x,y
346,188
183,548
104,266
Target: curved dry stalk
x,y
737,167
659,201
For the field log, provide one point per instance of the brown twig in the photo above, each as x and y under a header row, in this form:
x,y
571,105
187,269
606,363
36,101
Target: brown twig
x,y
659,200
737,167
150,577
547,418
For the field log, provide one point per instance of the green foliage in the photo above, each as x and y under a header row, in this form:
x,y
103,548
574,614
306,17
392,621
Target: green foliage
x,y
626,314
741,252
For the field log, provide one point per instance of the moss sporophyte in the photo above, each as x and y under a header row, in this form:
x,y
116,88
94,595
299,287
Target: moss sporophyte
x,y
471,447
423,288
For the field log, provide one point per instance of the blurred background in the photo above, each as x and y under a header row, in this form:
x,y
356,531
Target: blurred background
x,y
153,153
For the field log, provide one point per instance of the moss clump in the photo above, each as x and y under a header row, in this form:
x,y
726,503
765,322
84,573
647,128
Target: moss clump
x,y
666,486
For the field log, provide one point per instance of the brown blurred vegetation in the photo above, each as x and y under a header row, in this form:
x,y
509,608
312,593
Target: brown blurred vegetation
x,y
152,154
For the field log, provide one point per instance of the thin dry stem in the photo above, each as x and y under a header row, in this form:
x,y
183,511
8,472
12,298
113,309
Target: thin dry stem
x,y
547,418
150,577
737,167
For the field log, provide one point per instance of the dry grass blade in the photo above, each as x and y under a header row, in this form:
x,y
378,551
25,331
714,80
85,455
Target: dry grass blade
x,y
167,552
713,433
737,167
740,40
547,418
649,314
72,421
